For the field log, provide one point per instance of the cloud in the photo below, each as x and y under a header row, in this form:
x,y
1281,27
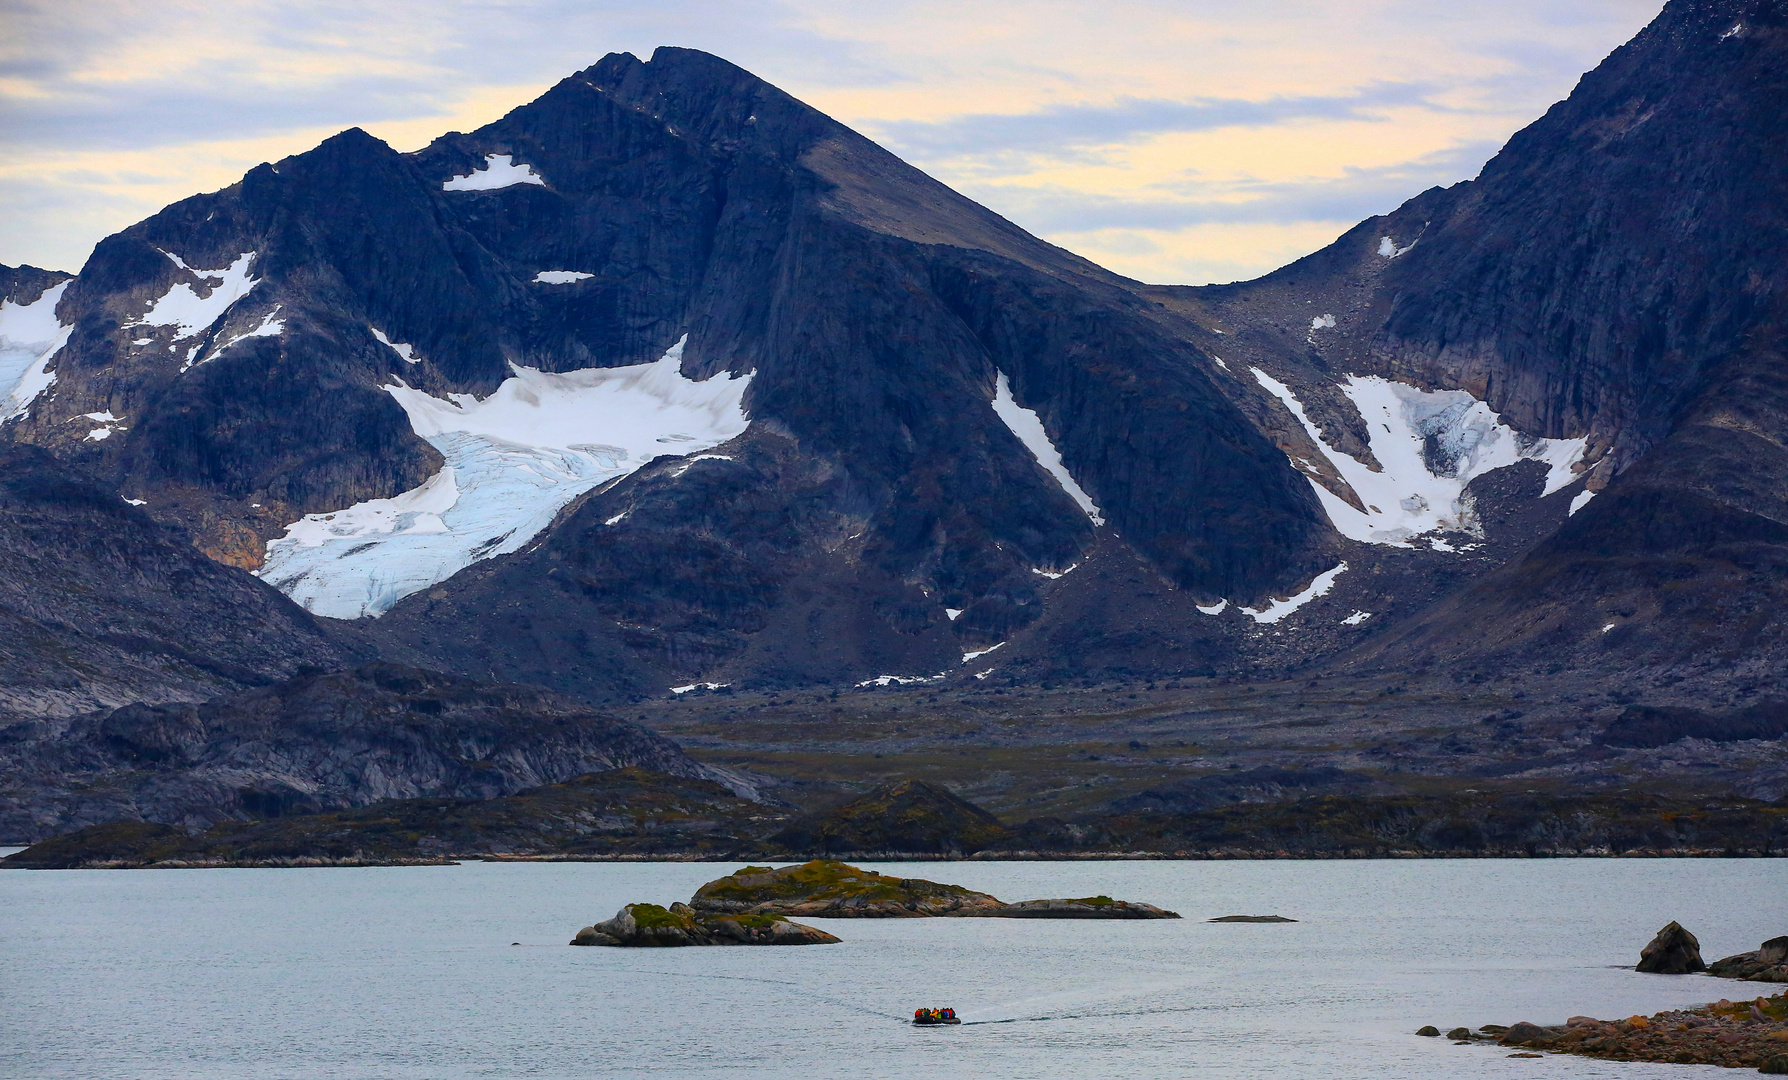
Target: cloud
x,y
1359,193
1058,130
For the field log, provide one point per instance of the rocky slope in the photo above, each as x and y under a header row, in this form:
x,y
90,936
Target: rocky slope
x,y
101,605
311,743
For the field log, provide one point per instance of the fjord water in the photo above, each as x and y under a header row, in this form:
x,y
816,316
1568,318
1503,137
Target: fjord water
x,y
411,972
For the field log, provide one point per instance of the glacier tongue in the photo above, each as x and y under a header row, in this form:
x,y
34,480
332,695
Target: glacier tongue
x,y
1431,444
29,337
514,459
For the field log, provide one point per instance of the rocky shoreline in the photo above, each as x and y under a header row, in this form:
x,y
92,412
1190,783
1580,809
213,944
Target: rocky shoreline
x,y
1743,1034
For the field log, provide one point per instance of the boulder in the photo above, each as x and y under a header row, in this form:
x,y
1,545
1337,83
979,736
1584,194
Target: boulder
x,y
1460,1034
1775,1065
1673,952
1767,963
648,925
1526,1034
1428,1031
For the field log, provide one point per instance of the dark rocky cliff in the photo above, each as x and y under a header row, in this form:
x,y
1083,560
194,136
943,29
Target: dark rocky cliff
x,y
311,743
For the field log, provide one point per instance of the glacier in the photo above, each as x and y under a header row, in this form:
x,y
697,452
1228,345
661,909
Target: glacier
x,y
30,336
1430,445
514,459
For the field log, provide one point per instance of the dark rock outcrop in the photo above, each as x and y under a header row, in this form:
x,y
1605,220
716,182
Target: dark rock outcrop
x,y
1674,951
649,925
1766,963
313,743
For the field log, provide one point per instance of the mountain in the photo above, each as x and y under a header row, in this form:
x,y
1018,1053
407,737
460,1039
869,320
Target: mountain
x,y
316,742
1616,274
667,380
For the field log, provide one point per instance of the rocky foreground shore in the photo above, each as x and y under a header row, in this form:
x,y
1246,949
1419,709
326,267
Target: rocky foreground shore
x,y
1743,1034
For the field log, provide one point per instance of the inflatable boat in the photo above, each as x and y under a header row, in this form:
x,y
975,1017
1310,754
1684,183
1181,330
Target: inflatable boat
x,y
934,1017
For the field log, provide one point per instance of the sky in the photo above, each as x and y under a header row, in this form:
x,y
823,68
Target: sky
x,y
1185,141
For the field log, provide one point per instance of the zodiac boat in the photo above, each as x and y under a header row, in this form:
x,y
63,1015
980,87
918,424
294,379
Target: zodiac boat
x,y
934,1017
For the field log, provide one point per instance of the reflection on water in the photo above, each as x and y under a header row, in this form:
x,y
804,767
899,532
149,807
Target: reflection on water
x,y
444,972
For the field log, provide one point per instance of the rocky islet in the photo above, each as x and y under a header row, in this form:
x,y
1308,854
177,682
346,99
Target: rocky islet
x,y
753,906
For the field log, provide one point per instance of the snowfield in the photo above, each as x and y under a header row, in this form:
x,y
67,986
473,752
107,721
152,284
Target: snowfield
x,y
514,459
30,337
1025,424
500,171
188,312
1431,445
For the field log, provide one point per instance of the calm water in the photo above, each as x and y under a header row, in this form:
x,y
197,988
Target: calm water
x,y
411,972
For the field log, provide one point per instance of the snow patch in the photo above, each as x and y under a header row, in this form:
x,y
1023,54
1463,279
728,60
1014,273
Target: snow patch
x,y
690,462
967,656
699,686
954,613
901,680
99,434
1357,618
499,171
1220,362
984,674
1055,575
1579,501
1323,322
1278,609
103,417
1389,249
30,337
1737,29
560,277
270,327
616,520
1609,627
514,459
1431,444
137,502
188,312
406,352
1213,609
1025,424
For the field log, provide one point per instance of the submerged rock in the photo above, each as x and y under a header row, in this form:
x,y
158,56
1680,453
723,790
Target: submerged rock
x,y
826,888
1673,952
650,925
1767,963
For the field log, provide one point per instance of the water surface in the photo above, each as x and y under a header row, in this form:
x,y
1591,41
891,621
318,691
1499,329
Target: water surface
x,y
413,972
